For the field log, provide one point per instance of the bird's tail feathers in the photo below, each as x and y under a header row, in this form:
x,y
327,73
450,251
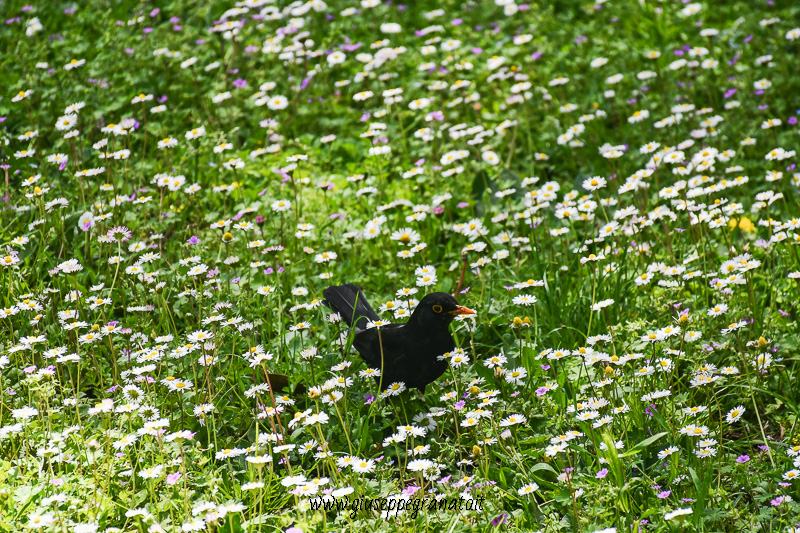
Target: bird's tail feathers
x,y
350,303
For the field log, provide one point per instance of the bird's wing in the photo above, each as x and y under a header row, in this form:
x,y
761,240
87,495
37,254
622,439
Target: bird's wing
x,y
407,356
350,303
368,344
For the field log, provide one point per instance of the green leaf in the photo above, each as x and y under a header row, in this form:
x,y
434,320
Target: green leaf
x,y
702,490
25,493
543,466
643,444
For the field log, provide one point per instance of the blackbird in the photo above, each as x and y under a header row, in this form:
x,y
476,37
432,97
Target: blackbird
x,y
410,350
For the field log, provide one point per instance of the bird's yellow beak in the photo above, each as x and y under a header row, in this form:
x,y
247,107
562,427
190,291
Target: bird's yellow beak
x,y
461,310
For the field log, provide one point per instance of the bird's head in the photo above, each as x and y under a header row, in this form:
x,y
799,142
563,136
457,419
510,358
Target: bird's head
x,y
438,309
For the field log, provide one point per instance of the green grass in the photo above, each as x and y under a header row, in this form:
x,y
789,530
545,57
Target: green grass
x,y
143,404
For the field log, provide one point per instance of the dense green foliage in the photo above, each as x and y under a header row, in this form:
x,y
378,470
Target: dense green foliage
x,y
611,187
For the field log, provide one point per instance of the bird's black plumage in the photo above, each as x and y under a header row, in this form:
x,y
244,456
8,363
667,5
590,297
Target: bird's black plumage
x,y
410,350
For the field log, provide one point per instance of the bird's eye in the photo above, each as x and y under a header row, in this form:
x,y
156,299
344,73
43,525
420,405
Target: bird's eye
x,y
437,308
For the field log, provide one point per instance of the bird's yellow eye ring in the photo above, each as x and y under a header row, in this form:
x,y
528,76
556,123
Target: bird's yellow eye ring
x,y
437,308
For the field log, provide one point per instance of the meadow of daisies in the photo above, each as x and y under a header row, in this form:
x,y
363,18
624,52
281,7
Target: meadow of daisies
x,y
611,186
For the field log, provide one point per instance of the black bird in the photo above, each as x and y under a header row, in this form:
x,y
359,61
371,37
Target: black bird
x,y
410,350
